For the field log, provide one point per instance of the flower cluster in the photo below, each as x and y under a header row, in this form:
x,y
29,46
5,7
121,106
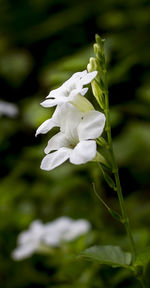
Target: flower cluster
x,y
41,236
79,123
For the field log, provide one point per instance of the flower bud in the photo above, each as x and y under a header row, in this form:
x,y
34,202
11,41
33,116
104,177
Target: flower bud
x,y
93,64
98,39
97,50
89,68
98,93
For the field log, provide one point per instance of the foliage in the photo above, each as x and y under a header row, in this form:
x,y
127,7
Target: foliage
x,y
41,44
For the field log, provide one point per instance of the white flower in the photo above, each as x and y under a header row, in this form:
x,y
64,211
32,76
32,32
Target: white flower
x,y
29,241
8,109
55,121
65,229
41,237
75,139
70,89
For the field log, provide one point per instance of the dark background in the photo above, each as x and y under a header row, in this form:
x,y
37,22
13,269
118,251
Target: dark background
x,y
42,43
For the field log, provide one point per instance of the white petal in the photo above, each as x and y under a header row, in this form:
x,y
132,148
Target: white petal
x,y
55,121
84,91
79,74
24,237
74,93
88,77
55,93
55,230
84,152
56,142
55,159
54,102
77,228
66,114
45,127
92,125
70,122
23,252
36,230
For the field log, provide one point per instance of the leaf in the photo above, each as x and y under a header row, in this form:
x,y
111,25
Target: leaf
x,y
99,158
109,181
143,258
108,255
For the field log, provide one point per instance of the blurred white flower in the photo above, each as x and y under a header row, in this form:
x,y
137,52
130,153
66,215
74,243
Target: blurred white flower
x,y
8,109
43,236
75,139
29,241
65,229
68,91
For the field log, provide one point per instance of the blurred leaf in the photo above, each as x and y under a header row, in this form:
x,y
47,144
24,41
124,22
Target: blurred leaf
x,y
34,113
108,255
59,72
15,66
143,258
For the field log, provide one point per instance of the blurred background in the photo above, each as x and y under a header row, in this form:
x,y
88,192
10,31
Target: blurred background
x,y
42,42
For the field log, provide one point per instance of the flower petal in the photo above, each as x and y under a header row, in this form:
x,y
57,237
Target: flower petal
x,y
92,125
55,159
56,142
23,251
45,127
70,122
54,102
78,228
88,77
84,91
79,74
84,152
55,93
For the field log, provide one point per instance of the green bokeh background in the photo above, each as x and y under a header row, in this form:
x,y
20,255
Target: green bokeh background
x,y
42,42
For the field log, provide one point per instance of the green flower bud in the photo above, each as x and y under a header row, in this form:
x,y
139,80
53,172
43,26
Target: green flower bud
x,y
98,93
89,68
93,64
97,50
98,39
100,43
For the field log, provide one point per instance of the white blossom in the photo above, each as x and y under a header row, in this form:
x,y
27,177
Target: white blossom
x,y
42,237
8,109
65,229
55,121
75,141
29,241
69,90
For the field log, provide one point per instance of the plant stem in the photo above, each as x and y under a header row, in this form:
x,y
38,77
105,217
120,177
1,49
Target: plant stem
x,y
142,281
117,180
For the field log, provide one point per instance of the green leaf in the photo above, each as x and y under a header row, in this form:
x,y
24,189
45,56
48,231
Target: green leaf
x,y
143,258
115,215
109,181
99,158
109,255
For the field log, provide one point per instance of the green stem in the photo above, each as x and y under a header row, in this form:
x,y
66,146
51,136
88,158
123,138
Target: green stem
x,y
117,180
142,281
